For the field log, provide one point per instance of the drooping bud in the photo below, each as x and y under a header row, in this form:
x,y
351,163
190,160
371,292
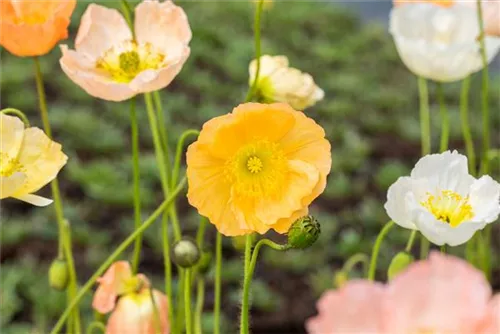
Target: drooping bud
x,y
58,274
185,253
399,263
205,262
304,232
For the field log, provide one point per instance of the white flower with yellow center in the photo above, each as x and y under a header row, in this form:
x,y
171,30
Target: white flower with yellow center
x,y
28,161
278,82
110,63
439,41
442,200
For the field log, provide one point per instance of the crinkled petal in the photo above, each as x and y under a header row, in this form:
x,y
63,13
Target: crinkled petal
x,y
354,308
162,24
484,197
82,72
10,184
100,29
41,159
110,285
11,138
400,200
302,179
441,295
283,225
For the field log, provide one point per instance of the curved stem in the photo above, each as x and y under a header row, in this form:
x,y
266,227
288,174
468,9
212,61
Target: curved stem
x,y
96,325
127,13
257,41
484,93
353,261
119,250
64,244
136,177
178,151
200,299
163,136
18,113
445,119
217,283
187,301
250,262
409,244
464,119
376,249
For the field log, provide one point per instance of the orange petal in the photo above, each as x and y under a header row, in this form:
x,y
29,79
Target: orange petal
x,y
110,285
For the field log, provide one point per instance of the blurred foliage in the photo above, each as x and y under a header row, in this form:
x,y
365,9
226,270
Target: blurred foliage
x,y
370,114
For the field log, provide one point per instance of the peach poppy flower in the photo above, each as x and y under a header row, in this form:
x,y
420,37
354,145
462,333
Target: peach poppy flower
x,y
136,313
33,27
109,63
28,161
257,168
443,294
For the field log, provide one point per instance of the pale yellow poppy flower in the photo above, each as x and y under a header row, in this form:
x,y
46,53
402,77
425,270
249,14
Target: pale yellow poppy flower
x,y
28,161
109,63
278,82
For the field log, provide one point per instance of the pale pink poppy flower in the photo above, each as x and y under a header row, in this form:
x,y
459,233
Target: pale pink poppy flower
x,y
443,294
110,63
136,313
116,281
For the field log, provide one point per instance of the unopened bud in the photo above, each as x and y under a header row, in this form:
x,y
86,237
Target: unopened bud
x,y
399,263
304,232
205,262
185,253
58,274
340,279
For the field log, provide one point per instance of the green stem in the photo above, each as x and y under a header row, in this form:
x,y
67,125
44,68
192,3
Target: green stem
x,y
64,248
250,262
18,113
187,301
127,13
484,93
167,265
425,128
353,261
470,250
96,325
376,249
200,299
119,250
179,150
409,244
217,283
443,249
157,322
445,119
486,258
163,136
464,119
134,129
257,41
200,234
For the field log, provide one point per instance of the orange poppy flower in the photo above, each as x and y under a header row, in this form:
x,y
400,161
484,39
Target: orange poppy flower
x,y
257,168
33,27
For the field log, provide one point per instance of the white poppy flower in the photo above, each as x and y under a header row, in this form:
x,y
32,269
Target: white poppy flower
x,y
440,43
280,83
442,200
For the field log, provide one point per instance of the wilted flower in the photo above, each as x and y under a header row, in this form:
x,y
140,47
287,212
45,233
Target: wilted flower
x,y
109,63
139,308
33,27
257,168
279,83
442,200
438,40
28,161
443,294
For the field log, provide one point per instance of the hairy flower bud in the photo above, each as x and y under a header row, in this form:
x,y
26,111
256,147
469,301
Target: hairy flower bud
x,y
304,232
185,253
58,274
399,263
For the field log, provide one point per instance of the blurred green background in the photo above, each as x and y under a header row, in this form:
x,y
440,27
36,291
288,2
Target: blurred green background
x,y
370,114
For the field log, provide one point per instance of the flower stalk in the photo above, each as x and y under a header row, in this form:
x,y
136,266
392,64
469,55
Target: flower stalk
x,y
376,249
258,52
136,177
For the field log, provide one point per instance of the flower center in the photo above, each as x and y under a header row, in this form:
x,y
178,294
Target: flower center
x,y
9,166
449,207
125,61
257,169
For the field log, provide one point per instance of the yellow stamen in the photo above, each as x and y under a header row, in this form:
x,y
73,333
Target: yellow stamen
x,y
9,165
449,207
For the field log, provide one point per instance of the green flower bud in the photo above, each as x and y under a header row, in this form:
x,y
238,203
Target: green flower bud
x,y
399,263
304,232
185,253
340,279
58,275
205,262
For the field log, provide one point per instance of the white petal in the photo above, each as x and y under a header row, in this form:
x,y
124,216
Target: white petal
x,y
396,205
484,198
35,199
